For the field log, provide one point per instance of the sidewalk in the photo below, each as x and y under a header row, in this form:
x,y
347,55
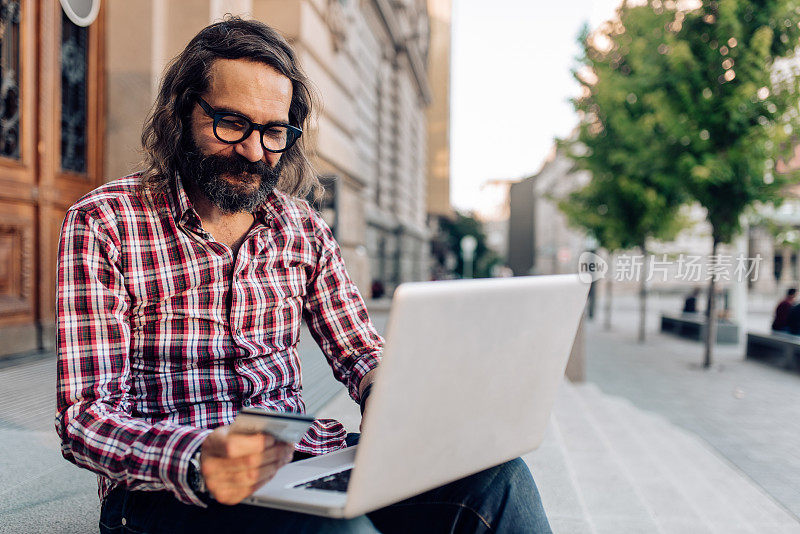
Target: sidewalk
x,y
606,467
621,454
748,412
650,443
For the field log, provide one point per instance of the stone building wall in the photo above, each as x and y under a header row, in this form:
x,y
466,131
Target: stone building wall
x,y
438,188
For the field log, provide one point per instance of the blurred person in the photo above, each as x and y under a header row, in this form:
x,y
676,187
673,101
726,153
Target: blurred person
x,y
180,295
690,304
378,289
781,321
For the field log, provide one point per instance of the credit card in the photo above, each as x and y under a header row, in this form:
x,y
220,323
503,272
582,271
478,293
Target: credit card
x,y
283,426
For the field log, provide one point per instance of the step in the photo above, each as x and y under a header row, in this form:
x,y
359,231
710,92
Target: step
x,y
609,502
719,489
656,479
42,492
606,466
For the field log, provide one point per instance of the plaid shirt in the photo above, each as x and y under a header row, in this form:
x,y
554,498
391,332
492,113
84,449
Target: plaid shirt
x,y
164,333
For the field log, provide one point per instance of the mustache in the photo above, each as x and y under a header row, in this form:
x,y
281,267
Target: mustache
x,y
218,165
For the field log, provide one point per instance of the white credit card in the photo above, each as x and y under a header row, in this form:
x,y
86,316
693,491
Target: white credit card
x,y
283,426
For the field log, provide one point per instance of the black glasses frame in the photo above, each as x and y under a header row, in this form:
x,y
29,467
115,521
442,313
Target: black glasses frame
x,y
293,133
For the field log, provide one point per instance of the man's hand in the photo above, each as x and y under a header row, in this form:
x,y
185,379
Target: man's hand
x,y
235,465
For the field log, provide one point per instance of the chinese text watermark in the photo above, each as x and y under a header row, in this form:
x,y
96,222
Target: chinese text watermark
x,y
660,268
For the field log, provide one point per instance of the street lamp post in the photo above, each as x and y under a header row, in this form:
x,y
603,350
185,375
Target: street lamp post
x,y
468,246
590,245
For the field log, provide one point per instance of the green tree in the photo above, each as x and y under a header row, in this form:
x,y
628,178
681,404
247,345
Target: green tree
x,y
631,199
709,107
729,109
585,209
621,214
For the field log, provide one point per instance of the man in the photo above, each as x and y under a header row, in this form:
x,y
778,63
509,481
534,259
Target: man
x,y
180,296
782,311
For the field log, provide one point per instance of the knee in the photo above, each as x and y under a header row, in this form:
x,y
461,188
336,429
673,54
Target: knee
x,y
516,477
510,482
521,503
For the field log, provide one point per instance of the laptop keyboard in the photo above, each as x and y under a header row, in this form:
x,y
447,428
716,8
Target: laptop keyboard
x,y
335,482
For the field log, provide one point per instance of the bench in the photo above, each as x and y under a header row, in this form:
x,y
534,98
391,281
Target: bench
x,y
693,326
776,348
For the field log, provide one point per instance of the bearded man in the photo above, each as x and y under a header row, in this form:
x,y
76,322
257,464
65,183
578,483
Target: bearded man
x,y
181,291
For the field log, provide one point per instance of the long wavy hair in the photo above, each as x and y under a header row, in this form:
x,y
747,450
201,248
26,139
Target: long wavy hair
x,y
166,131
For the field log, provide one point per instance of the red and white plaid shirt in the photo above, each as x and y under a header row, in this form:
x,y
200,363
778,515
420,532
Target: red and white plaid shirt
x,y
164,334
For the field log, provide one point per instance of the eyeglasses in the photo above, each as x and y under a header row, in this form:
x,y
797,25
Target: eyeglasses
x,y
232,128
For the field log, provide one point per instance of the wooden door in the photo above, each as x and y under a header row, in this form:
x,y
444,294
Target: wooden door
x,y
18,177
52,158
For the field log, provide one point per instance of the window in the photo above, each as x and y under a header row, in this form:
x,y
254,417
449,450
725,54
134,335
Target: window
x,y
9,79
74,108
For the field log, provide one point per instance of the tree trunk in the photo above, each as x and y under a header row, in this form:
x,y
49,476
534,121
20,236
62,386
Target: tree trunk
x,y
711,314
592,299
642,297
609,287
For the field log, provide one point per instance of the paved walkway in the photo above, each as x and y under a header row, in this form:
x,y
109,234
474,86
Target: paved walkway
x,y
607,467
747,411
622,453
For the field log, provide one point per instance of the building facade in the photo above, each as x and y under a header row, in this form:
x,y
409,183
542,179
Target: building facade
x,y
75,98
539,239
438,112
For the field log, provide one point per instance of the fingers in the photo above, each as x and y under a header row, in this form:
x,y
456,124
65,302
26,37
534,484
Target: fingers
x,y
226,444
234,486
280,454
235,465
246,477
252,460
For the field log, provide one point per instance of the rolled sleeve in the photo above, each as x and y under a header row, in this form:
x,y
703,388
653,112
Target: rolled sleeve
x,y
174,465
337,316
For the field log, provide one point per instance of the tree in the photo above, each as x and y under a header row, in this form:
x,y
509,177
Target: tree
x,y
585,209
710,107
630,199
621,215
728,109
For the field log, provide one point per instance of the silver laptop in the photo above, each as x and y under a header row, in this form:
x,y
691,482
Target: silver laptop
x,y
469,375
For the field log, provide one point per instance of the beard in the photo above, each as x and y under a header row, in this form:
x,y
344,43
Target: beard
x,y
233,183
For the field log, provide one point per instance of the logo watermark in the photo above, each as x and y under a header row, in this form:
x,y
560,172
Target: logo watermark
x,y
684,268
591,267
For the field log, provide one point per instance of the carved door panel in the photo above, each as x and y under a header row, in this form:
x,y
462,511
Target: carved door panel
x,y
51,158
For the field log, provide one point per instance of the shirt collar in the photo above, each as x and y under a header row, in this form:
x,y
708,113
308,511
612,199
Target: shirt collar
x,y
181,206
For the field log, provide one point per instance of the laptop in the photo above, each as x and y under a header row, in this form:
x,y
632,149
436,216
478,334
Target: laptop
x,y
469,375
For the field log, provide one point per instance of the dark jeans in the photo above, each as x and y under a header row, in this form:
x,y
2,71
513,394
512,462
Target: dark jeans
x,y
500,499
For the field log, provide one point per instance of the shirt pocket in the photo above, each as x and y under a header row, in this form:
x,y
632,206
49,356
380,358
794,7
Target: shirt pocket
x,y
290,276
276,297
